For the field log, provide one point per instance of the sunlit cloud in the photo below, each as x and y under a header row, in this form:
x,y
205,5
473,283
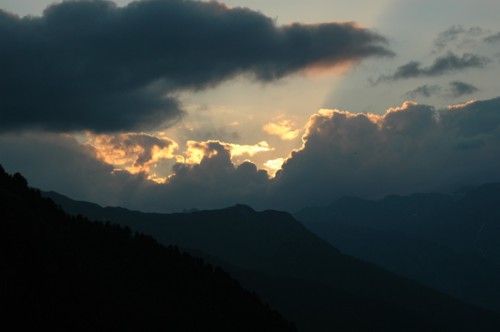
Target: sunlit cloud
x,y
196,151
283,129
407,149
250,150
149,154
133,152
330,113
274,165
463,105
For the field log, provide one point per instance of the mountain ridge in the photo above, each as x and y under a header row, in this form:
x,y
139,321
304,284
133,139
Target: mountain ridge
x,y
68,273
448,242
292,252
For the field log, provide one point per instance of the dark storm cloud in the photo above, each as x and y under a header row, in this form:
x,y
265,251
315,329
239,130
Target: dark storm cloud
x,y
93,65
424,91
458,88
445,64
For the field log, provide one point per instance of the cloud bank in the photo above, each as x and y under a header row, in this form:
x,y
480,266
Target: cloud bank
x,y
95,66
411,148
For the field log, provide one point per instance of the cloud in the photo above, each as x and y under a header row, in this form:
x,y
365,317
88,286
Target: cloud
x,y
424,91
92,65
249,150
133,152
457,34
493,38
196,151
283,129
442,65
412,148
214,182
455,89
459,88
58,162
274,164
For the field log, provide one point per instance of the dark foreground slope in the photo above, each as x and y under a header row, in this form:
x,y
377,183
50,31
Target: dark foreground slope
x,y
67,273
301,275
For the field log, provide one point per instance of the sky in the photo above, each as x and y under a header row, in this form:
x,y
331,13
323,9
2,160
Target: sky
x,y
167,105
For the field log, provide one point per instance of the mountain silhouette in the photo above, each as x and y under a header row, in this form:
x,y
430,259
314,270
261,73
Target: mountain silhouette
x,y
303,276
448,242
65,273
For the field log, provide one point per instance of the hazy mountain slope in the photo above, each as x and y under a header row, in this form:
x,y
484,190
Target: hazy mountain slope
x,y
394,212
66,273
466,276
448,242
469,223
275,244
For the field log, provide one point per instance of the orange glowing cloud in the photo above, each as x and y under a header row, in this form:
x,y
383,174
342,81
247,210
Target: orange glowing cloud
x,y
274,165
133,152
282,129
196,151
330,113
460,106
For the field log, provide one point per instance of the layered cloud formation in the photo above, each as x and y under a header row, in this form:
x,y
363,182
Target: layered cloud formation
x,y
408,149
95,66
87,90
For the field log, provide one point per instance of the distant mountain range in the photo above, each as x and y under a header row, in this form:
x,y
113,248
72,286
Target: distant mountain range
x,y
62,273
304,277
448,242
